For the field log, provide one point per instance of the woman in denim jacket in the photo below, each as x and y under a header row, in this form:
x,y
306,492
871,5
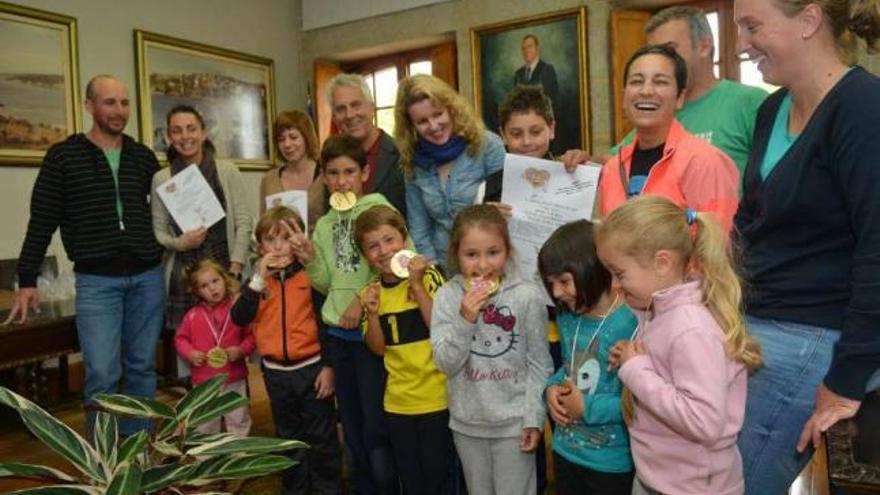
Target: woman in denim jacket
x,y
446,153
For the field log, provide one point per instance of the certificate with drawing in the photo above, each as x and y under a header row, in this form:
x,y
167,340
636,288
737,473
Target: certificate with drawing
x,y
190,200
544,196
297,201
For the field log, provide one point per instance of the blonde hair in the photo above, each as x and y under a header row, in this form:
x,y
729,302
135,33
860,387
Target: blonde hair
x,y
412,90
647,224
191,273
848,20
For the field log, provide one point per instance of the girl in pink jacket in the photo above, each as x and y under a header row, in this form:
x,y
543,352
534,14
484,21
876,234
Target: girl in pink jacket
x,y
212,343
685,375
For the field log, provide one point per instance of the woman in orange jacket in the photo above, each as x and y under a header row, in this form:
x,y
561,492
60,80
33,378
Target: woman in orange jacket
x,y
664,159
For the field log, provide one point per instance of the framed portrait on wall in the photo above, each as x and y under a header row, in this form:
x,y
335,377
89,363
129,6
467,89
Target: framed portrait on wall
x,y
548,50
39,83
234,92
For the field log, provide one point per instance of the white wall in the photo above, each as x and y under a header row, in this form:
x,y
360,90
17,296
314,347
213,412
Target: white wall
x,y
321,13
268,28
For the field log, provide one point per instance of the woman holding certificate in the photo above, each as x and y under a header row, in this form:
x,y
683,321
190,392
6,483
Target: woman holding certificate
x,y
446,153
297,146
227,240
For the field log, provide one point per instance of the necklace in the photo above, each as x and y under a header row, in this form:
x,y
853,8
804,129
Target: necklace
x,y
577,331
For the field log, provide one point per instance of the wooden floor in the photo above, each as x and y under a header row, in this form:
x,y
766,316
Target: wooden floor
x,y
17,445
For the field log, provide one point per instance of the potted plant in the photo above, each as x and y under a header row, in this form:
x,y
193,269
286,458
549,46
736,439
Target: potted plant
x,y
172,458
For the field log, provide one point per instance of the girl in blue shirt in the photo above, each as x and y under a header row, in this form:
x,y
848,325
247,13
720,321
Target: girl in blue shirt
x,y
590,443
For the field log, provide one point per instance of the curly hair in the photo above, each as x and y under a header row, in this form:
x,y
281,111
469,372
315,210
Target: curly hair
x,y
190,277
465,122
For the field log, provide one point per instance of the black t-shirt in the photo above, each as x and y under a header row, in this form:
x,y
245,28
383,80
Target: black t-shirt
x,y
642,162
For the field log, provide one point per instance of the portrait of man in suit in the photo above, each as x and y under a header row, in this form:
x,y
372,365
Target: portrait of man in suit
x,y
549,52
535,71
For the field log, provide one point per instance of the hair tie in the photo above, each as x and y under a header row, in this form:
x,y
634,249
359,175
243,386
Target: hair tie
x,y
690,215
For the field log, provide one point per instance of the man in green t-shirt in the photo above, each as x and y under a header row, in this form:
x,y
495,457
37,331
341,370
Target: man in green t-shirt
x,y
720,111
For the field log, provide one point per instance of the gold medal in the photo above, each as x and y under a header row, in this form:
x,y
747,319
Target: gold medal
x,y
400,263
491,284
217,358
342,201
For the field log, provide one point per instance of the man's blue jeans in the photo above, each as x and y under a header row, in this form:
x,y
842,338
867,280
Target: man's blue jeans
x,y
118,319
781,396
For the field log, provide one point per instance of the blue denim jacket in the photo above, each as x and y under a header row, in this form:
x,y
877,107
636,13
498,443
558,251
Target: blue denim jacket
x,y
431,208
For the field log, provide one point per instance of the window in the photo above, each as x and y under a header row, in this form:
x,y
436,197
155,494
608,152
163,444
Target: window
x,y
728,63
384,73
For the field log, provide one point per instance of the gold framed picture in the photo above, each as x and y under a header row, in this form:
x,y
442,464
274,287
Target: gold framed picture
x,y
548,50
39,83
234,92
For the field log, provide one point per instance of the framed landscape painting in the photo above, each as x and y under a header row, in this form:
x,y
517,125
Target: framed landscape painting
x,y
547,50
39,82
234,92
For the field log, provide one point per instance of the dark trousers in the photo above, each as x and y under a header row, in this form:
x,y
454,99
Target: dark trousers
x,y
423,451
572,479
298,414
360,387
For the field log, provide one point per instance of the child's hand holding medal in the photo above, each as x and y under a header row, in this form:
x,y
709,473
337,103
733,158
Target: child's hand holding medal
x,y
623,351
478,291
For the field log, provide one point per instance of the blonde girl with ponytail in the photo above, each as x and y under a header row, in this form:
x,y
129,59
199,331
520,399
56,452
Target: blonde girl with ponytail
x,y
686,371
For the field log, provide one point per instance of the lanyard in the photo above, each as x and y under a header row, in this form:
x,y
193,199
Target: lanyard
x,y
217,339
577,330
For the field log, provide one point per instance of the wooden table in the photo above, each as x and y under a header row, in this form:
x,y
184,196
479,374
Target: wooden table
x,y
50,334
854,449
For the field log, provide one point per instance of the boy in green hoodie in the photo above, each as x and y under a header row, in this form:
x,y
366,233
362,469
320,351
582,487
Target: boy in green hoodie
x,y
337,270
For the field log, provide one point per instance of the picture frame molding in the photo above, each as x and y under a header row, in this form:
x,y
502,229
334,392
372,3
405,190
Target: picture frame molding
x,y
580,13
74,117
143,38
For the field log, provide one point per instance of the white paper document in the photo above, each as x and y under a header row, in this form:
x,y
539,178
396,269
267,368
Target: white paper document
x,y
297,201
543,197
190,200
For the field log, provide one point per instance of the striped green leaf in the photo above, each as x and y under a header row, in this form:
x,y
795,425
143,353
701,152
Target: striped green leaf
x,y
250,445
200,395
132,446
59,490
106,435
229,467
216,407
126,480
134,406
159,477
196,438
56,435
166,448
34,472
167,428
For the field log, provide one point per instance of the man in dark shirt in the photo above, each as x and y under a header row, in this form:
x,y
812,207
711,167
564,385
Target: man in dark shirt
x,y
354,111
95,187
536,72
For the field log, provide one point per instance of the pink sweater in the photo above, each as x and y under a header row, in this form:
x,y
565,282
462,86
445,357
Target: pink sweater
x,y
691,399
195,333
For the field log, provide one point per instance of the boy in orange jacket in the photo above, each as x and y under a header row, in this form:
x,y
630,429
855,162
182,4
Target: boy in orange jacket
x,y
278,300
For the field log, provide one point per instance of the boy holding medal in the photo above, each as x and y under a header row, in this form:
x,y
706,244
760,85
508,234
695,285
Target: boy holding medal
x,y
277,299
212,343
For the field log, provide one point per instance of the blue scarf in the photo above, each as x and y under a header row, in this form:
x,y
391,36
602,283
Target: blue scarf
x,y
429,156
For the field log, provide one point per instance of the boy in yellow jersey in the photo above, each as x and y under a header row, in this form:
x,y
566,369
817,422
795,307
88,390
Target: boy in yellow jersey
x,y
397,327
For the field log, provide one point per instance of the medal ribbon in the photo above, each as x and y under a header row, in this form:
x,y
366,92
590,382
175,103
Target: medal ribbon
x,y
210,323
